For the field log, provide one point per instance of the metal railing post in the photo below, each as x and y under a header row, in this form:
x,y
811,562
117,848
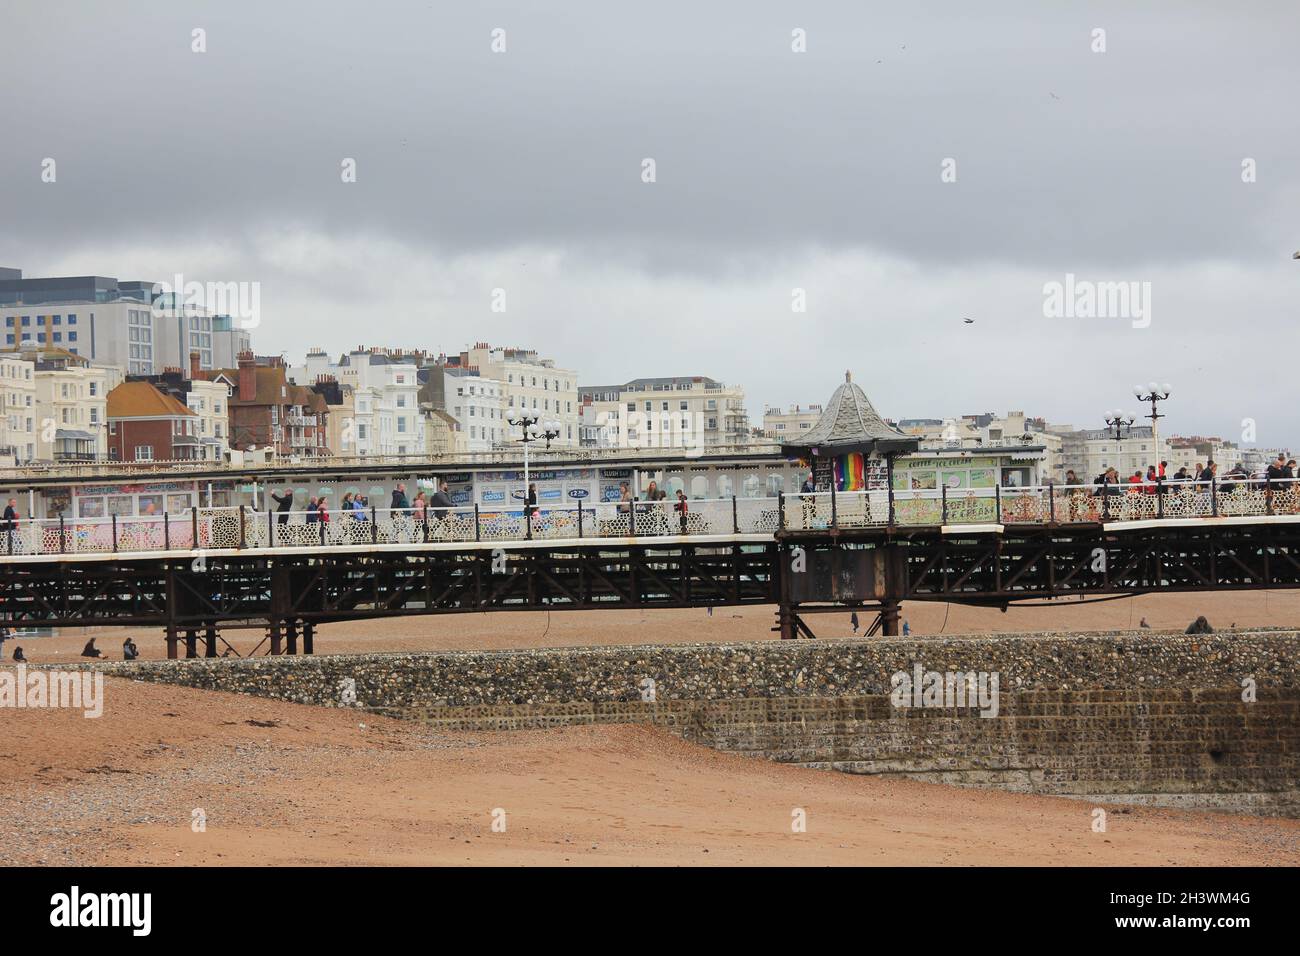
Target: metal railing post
x,y
270,528
63,536
167,532
1105,502
243,532
374,526
780,510
997,498
1214,495
735,516
943,504
579,519
835,517
889,494
1051,503
1160,497
194,526
114,532
1268,496
478,532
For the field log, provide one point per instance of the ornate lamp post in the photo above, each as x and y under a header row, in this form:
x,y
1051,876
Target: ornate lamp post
x,y
1154,394
534,429
1118,422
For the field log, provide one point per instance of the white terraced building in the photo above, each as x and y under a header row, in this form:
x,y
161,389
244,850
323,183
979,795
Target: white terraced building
x,y
386,416
530,384
671,412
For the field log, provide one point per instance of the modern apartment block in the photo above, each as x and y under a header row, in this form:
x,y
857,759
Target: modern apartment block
x,y
115,323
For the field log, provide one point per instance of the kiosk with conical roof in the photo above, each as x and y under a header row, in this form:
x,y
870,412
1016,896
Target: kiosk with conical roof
x,y
851,448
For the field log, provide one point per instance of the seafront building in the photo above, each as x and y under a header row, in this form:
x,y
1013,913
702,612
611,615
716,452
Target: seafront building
x,y
694,412
18,411
115,323
384,389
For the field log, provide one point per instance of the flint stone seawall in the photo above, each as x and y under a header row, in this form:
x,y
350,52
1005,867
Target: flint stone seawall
x,y
1121,717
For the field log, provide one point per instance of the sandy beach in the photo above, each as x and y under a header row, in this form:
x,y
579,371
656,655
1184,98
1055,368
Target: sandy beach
x,y
289,784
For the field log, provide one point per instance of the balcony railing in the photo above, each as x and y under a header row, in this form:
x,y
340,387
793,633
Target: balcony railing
x,y
761,518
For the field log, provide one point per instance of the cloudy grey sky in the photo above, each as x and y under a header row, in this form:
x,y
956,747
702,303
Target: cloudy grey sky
x,y
775,170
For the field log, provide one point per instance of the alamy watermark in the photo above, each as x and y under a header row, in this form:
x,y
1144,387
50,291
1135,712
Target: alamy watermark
x,y
946,689
1084,299
241,301
38,689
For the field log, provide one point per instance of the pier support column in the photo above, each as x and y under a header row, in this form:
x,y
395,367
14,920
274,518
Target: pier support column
x,y
210,641
170,636
308,633
275,637
191,642
291,636
889,618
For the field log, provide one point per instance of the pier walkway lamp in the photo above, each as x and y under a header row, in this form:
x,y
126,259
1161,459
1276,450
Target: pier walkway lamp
x,y
533,429
1118,421
1154,394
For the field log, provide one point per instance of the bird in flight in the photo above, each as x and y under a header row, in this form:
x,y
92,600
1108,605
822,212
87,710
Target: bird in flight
x,y
969,321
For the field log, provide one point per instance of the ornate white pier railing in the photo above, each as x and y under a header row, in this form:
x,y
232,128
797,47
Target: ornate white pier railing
x,y
245,528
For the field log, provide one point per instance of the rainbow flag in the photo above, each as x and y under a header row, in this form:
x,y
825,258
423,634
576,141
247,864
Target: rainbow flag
x,y
850,472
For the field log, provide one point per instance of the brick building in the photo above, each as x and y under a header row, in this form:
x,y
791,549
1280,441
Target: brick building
x,y
269,411
146,424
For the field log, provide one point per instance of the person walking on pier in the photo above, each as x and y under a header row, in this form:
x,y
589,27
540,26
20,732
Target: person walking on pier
x,y
440,507
282,505
399,505
681,507
441,500
313,506
9,525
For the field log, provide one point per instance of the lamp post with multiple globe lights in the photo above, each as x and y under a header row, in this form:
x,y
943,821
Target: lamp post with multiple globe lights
x,y
534,429
1153,393
1118,420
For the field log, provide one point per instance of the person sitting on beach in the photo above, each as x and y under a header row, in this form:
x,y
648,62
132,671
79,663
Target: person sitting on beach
x,y
90,650
18,655
129,651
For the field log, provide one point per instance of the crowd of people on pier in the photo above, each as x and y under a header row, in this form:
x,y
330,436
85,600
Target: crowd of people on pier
x,y
1156,478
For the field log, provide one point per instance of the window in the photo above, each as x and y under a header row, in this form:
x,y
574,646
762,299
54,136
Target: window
x,y
144,452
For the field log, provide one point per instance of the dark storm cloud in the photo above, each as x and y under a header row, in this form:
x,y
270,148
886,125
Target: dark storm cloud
x,y
775,170
1063,154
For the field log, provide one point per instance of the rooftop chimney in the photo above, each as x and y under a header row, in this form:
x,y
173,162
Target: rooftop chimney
x,y
194,365
247,377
